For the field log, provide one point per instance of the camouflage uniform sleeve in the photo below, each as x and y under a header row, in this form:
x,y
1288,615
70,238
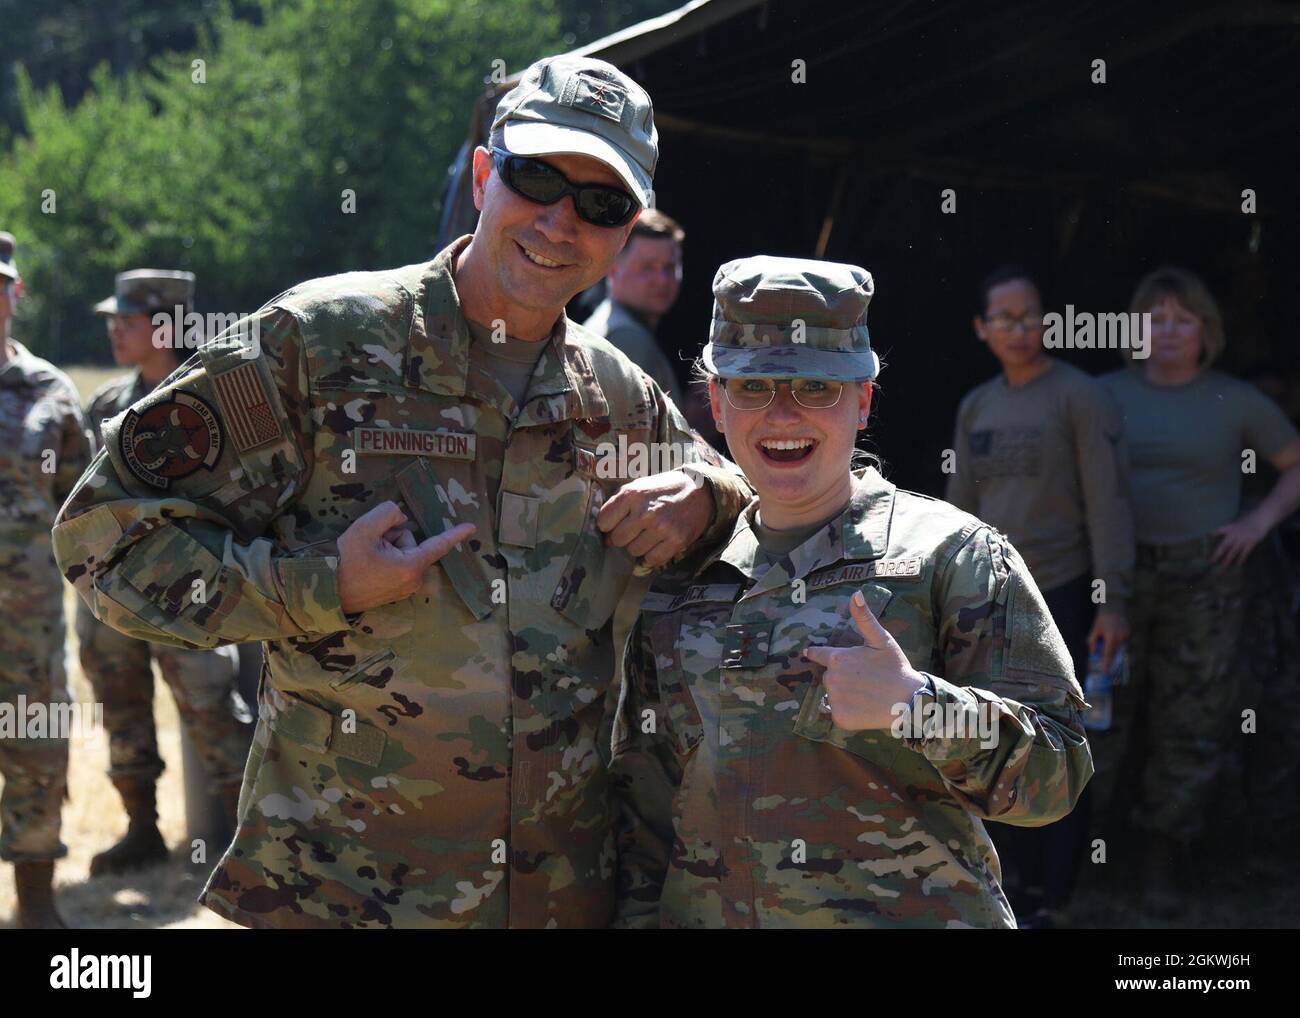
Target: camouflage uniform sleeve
x,y
1001,653
78,446
645,775
725,482
164,535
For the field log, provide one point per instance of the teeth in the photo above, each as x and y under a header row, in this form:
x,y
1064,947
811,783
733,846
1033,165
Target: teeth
x,y
786,443
539,260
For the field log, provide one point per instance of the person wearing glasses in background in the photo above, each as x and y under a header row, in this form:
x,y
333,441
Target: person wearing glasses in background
x,y
1040,455
398,482
817,719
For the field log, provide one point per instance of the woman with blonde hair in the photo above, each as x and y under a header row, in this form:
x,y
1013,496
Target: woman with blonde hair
x,y
818,719
1193,432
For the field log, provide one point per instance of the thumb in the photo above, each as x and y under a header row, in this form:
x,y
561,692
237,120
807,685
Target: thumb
x,y
868,625
432,549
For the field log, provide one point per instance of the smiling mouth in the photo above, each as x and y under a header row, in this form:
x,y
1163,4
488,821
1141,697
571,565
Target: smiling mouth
x,y
786,450
538,260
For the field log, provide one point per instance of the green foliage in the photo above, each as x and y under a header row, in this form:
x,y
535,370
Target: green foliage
x,y
239,178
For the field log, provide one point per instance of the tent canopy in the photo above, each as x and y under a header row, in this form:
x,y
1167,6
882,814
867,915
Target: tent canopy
x,y
1090,142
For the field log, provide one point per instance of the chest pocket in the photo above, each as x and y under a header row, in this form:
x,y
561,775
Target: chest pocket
x,y
816,724
677,637
596,574
429,497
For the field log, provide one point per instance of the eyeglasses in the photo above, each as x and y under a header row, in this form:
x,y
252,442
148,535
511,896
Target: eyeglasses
x,y
757,393
542,183
1003,322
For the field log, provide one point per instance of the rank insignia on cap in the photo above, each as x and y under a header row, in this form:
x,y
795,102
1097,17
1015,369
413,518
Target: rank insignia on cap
x,y
603,98
247,406
170,440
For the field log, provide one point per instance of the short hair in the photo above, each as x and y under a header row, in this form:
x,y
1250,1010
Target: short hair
x,y
654,224
1190,291
1002,274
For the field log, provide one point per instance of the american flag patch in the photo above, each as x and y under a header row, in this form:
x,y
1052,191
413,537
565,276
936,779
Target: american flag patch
x,y
247,407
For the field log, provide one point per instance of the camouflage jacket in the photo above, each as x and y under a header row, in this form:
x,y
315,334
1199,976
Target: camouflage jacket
x,y
44,446
432,762
743,805
112,398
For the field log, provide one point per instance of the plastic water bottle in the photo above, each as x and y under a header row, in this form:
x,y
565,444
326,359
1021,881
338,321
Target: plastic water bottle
x,y
1098,688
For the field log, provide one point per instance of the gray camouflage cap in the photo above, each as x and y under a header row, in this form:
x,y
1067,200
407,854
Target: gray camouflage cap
x,y
569,105
144,291
8,269
791,318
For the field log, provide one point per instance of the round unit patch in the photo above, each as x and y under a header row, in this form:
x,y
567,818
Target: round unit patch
x,y
170,440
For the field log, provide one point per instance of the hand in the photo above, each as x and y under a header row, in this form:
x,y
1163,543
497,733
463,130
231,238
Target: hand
x,y
379,561
864,684
1238,539
1113,630
657,518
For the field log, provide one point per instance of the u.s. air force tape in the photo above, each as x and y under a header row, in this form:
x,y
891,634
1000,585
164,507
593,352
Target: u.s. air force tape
x,y
170,439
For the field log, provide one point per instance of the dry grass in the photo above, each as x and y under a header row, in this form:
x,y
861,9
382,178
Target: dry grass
x,y
93,819
88,378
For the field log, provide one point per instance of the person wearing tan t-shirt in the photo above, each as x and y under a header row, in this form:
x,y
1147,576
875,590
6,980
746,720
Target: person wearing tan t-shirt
x,y
1040,455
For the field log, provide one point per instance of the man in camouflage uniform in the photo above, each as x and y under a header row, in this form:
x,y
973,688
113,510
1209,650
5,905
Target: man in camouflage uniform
x,y
43,450
762,780
430,542
203,682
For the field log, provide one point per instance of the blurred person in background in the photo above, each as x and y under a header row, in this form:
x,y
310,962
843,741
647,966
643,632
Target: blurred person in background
x,y
1193,433
641,288
43,450
1040,456
120,668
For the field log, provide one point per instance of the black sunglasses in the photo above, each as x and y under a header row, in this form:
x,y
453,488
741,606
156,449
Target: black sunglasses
x,y
539,182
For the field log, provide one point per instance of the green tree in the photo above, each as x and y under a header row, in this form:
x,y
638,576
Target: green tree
x,y
234,168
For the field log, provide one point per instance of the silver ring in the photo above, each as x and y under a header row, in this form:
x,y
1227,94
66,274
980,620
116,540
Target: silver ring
x,y
826,703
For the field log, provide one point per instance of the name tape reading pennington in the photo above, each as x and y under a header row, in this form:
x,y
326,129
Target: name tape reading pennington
x,y
454,445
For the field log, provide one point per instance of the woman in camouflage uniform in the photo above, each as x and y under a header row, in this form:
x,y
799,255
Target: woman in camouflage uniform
x,y
817,719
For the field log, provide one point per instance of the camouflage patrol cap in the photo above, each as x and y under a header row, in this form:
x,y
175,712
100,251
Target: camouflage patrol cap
x,y
144,291
8,268
569,105
791,318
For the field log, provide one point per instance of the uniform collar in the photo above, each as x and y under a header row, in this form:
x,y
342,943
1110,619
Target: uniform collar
x,y
563,386
860,533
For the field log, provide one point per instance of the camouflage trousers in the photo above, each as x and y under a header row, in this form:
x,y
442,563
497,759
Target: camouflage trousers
x,y
203,683
1260,780
1173,721
35,770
